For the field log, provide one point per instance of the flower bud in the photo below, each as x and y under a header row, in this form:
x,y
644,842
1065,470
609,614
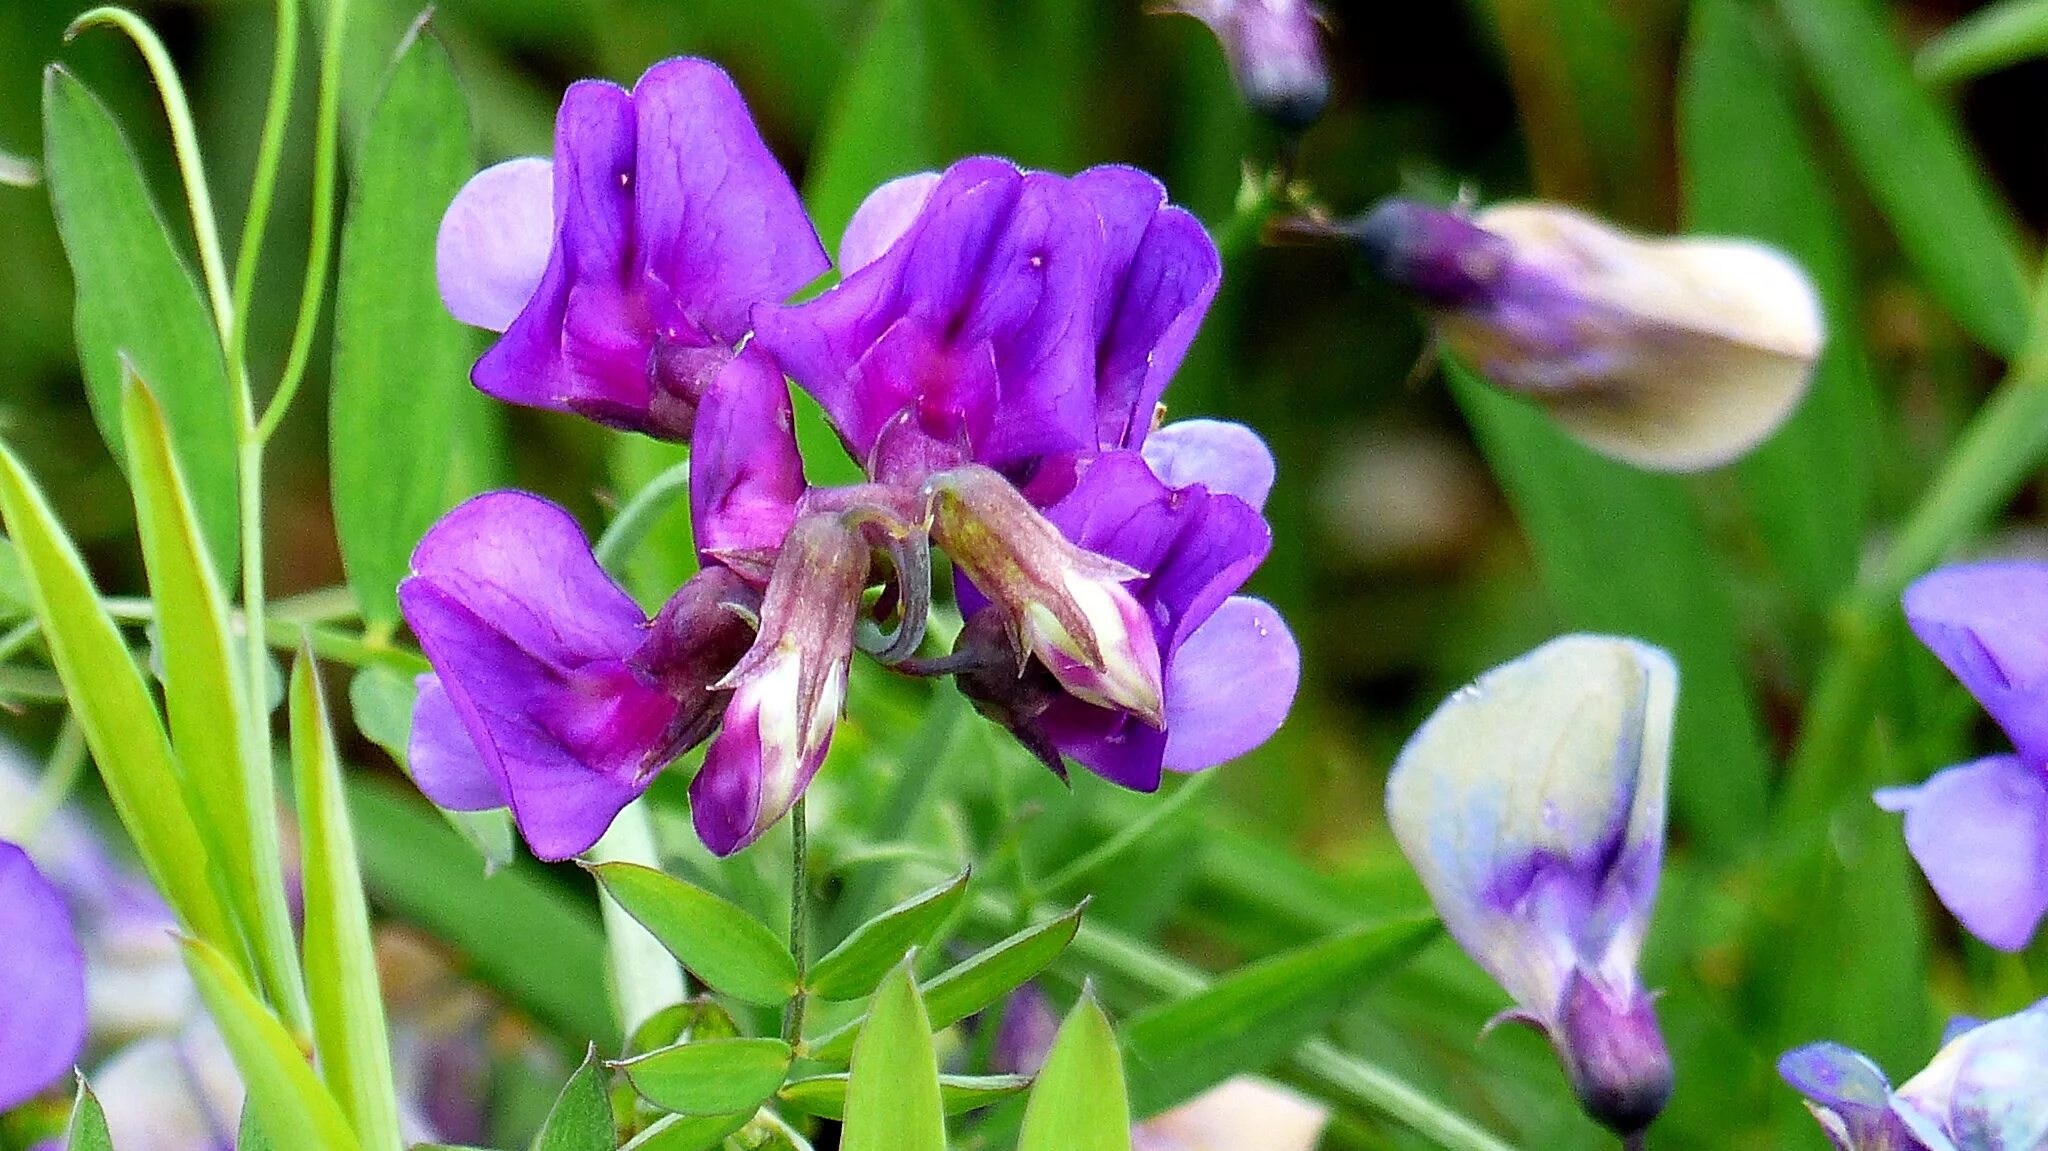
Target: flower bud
x,y
1532,805
1066,606
788,690
1669,354
1275,51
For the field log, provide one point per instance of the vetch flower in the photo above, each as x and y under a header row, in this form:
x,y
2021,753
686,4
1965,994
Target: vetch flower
x,y
1669,354
552,693
1532,805
1275,50
42,982
1982,1092
788,690
1980,831
622,274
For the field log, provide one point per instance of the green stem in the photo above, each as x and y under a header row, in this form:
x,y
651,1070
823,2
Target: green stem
x,y
1126,838
1258,202
320,250
639,516
645,977
263,187
799,920
67,763
282,632
184,142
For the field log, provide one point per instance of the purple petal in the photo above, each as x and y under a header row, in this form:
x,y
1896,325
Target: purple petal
x,y
725,798
42,982
1226,458
444,761
1989,623
1843,1086
494,242
1160,273
882,219
1230,685
717,221
745,473
1980,833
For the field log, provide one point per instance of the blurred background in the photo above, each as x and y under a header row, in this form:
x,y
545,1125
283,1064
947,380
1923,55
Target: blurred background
x,y
1422,534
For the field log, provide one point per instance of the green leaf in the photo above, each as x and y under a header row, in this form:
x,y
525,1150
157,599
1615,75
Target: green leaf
x,y
520,931
711,1076
720,944
341,963
1255,1017
382,701
1624,553
688,1132
401,362
87,1130
1916,167
582,1117
14,602
690,1021
137,298
892,1094
857,966
1079,1103
1993,37
232,796
977,984
294,1109
825,1095
113,706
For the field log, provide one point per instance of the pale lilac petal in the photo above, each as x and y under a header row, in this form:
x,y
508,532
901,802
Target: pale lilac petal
x,y
1989,623
1849,1094
1230,685
745,473
494,242
42,982
882,219
443,760
1226,458
718,223
1980,833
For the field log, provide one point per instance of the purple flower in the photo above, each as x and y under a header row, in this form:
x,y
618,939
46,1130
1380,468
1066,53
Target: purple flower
x,y
1980,831
1669,354
622,275
1981,1093
42,982
1532,804
552,694
1275,51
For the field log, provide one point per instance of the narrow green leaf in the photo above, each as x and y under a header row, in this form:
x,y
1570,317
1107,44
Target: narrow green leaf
x,y
1916,167
720,944
401,362
1625,553
1255,1017
14,602
1993,37
857,966
341,964
1751,170
1079,1103
137,298
294,1109
977,984
522,934
711,1076
112,703
232,795
251,1137
892,1094
87,1130
582,1118
382,701
825,1095
688,1132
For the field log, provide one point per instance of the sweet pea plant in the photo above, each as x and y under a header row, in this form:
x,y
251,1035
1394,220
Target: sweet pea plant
x,y
751,820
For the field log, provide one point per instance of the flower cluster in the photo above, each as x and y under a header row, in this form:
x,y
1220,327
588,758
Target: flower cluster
x,y
993,355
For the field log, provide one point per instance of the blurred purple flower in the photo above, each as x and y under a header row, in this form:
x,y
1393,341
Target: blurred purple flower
x,y
42,982
1275,50
622,274
552,694
1981,1093
1980,831
1532,804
